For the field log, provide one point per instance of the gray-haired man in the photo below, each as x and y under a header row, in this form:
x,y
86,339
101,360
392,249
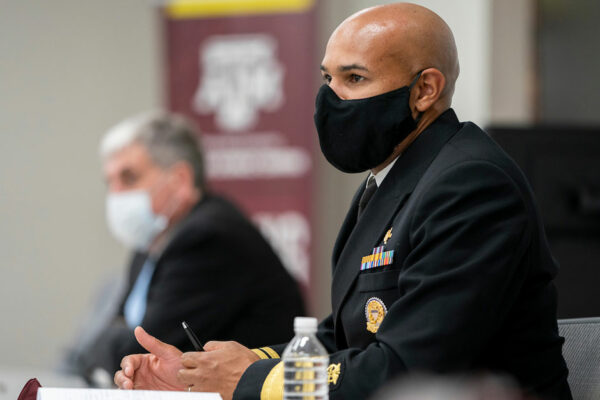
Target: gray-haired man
x,y
195,256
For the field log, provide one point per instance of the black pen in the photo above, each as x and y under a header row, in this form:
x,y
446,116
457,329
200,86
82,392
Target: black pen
x,y
193,338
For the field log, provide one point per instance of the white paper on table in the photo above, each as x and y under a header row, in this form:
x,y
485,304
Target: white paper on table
x,y
45,393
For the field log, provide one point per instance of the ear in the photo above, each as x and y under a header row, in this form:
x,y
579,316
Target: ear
x,y
428,89
183,176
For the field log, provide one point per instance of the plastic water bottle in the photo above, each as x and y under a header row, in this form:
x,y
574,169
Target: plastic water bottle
x,y
305,362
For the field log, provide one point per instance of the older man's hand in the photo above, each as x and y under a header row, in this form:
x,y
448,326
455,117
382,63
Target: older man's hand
x,y
154,371
218,369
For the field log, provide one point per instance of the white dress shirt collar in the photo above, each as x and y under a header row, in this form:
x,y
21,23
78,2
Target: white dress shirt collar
x,y
380,176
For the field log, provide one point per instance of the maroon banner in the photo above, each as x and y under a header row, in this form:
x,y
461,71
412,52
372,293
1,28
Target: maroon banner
x,y
247,81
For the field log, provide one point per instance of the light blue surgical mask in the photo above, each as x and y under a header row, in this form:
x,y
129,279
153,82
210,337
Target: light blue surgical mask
x,y
131,219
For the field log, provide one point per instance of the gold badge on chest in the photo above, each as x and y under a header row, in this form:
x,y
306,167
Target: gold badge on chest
x,y
375,311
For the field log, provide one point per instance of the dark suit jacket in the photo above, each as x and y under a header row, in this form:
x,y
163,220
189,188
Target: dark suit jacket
x,y
218,274
470,286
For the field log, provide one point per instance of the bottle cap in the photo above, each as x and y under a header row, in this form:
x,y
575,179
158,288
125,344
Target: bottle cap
x,y
305,324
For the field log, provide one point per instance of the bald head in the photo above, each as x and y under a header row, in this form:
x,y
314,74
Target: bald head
x,y
393,43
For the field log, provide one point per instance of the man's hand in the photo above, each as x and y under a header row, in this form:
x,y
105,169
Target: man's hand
x,y
154,371
218,369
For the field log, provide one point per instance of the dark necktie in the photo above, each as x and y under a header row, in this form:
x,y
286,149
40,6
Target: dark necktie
x,y
367,194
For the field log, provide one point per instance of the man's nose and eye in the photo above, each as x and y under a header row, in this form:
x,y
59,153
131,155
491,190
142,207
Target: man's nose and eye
x,y
344,84
129,178
346,79
126,180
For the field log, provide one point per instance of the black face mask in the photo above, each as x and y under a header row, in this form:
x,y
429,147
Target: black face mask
x,y
357,135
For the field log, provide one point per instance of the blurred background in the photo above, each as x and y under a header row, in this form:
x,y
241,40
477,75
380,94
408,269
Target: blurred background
x,y
70,69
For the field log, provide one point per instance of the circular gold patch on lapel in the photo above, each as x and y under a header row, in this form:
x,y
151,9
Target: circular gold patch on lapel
x,y
375,311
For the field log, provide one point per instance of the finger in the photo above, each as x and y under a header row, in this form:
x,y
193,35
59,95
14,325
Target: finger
x,y
155,346
131,363
191,359
214,345
122,381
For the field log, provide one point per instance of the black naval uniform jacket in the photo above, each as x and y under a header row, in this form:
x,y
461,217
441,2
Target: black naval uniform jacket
x,y
469,288
217,273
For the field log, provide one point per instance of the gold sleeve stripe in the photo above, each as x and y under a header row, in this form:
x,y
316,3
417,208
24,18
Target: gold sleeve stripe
x,y
261,354
272,353
273,386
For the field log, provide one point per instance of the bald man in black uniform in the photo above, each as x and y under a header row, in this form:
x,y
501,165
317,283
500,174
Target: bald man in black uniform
x,y
441,264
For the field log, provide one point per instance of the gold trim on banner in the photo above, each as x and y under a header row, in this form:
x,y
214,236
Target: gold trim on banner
x,y
181,9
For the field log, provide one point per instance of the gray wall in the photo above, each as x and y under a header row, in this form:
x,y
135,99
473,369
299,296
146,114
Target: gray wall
x,y
68,70
569,59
